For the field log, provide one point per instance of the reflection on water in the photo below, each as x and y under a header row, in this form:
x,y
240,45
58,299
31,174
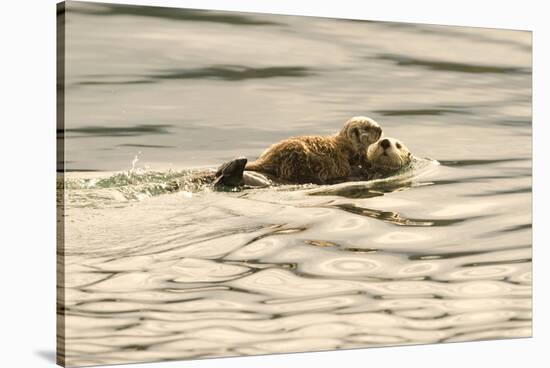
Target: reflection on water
x,y
451,66
226,73
191,15
395,218
105,131
158,271
440,111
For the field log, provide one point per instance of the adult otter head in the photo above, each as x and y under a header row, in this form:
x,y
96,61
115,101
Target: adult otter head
x,y
388,154
361,131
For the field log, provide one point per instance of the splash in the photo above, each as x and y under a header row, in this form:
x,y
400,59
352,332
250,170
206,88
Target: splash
x,y
136,184
135,161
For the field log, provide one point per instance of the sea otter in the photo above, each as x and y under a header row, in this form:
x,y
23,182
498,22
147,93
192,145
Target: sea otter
x,y
319,159
383,158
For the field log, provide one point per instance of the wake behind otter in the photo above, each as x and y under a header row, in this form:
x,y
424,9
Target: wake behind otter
x,y
141,184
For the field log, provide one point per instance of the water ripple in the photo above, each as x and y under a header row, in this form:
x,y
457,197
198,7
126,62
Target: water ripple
x,y
452,66
176,14
396,218
216,72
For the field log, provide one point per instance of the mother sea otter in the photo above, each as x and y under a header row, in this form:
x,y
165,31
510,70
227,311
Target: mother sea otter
x,y
384,158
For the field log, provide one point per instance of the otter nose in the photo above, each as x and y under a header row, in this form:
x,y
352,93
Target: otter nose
x,y
385,143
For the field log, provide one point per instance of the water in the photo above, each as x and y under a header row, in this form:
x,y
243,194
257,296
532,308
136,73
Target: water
x,y
440,254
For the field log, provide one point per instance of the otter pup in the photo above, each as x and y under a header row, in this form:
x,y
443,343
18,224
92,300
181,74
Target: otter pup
x,y
319,159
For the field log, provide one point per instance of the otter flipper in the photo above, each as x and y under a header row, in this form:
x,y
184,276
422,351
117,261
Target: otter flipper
x,y
230,174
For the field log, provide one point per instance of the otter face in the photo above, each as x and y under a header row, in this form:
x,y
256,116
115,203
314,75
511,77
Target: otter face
x,y
389,154
361,131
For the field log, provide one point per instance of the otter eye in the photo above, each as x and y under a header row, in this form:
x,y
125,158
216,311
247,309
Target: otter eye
x,y
398,145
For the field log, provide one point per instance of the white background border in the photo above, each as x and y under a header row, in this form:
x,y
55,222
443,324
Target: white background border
x,y
27,182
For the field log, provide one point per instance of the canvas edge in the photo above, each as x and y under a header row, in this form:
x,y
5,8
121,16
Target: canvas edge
x,y
60,183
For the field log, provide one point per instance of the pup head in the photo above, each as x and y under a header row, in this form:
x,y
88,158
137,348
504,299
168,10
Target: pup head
x,y
361,131
388,154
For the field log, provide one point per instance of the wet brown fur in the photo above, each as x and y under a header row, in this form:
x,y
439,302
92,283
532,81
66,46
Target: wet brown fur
x,y
309,159
317,159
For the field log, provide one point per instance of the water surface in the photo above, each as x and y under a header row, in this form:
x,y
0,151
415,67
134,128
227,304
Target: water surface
x,y
443,255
